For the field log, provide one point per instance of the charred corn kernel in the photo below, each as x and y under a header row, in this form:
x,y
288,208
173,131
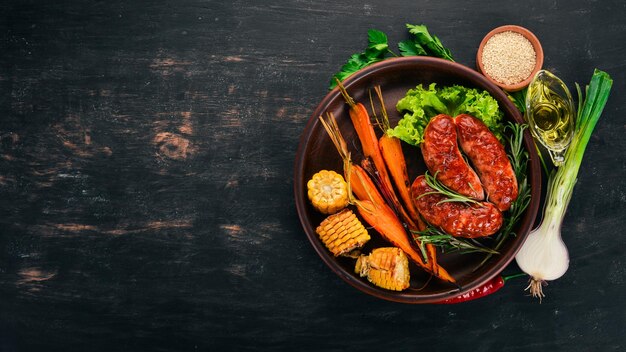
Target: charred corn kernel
x,y
328,192
386,267
342,232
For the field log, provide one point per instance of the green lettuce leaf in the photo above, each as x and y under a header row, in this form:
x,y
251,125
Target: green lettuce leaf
x,y
419,105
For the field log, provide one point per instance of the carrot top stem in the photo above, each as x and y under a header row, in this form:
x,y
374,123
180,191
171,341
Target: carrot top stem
x,y
333,131
345,94
384,122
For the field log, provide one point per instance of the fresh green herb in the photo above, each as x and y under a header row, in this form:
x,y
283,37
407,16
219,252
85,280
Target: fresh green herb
x,y
519,99
448,243
518,156
377,49
519,162
424,44
421,104
411,48
377,41
440,188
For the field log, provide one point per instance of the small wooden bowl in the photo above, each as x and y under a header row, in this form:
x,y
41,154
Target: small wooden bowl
x,y
531,38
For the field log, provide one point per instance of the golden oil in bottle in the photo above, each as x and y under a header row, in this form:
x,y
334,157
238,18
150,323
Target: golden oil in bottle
x,y
550,114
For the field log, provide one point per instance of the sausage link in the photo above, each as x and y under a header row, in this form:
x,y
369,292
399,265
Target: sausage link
x,y
455,218
443,158
489,159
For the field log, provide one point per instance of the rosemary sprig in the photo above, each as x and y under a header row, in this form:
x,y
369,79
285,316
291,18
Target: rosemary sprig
x,y
519,99
519,161
435,236
518,156
440,188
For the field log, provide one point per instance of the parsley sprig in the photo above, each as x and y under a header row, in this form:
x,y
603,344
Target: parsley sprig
x,y
422,44
377,50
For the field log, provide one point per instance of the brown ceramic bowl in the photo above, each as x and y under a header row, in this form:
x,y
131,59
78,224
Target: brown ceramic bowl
x,y
316,152
531,38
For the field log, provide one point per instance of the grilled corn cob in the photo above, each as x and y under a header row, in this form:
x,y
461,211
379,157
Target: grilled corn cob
x,y
328,192
342,232
386,267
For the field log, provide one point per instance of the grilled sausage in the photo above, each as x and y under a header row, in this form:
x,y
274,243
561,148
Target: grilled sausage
x,y
443,158
455,218
489,159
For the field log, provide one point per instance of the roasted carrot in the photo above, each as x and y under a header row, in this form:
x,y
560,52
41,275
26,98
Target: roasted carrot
x,y
388,194
372,206
362,185
385,221
396,163
371,149
367,136
391,150
393,157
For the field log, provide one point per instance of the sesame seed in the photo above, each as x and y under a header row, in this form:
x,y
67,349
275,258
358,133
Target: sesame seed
x,y
508,58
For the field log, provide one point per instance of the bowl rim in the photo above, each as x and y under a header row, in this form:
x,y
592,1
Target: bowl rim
x,y
468,74
531,38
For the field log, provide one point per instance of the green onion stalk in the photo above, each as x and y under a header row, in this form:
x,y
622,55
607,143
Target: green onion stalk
x,y
544,255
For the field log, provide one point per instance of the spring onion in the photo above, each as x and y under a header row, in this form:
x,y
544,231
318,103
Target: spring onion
x,y
544,255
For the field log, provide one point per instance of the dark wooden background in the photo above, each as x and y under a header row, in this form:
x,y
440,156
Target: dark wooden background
x,y
146,155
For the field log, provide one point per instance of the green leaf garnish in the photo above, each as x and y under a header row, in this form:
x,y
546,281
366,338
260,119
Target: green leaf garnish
x,y
377,49
411,48
420,104
519,99
440,188
432,44
377,40
449,243
423,44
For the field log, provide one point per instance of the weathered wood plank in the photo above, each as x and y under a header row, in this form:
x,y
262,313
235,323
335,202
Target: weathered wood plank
x,y
146,155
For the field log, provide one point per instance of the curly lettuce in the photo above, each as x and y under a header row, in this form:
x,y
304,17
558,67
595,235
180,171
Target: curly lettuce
x,y
421,104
